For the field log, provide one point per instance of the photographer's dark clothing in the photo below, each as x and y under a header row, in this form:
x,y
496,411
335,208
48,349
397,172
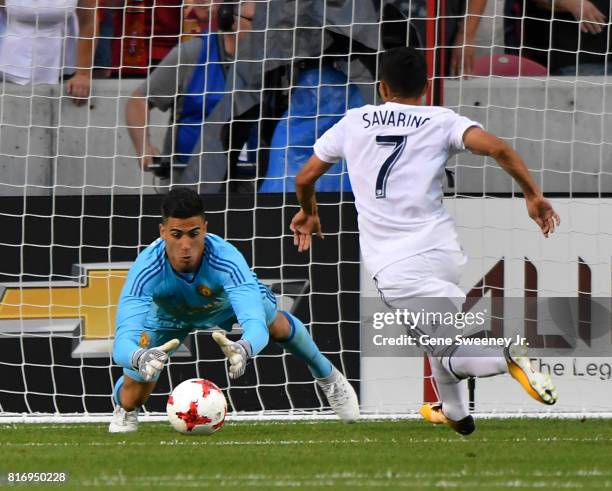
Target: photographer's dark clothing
x,y
554,39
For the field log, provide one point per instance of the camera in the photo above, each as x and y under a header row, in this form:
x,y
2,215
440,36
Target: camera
x,y
162,165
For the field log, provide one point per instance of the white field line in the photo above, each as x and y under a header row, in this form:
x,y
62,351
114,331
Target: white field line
x,y
203,441
197,442
356,484
389,474
275,418
78,423
464,478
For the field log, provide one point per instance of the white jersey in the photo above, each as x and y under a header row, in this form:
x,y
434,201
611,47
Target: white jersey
x,y
39,41
395,156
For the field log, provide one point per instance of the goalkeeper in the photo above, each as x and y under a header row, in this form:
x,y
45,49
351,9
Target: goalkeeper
x,y
188,279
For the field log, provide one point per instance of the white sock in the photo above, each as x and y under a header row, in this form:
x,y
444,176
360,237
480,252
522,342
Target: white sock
x,y
476,361
452,392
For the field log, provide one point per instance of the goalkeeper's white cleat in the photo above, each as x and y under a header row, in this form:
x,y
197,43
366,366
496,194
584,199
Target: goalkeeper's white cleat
x,y
123,421
340,395
537,384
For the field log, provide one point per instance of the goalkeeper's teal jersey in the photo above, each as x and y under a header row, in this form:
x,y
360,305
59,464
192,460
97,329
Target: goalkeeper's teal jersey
x,y
155,296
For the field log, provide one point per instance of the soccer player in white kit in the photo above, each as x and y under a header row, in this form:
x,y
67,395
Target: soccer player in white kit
x,y
396,153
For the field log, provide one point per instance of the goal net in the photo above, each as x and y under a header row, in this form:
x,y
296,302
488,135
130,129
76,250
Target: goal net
x,y
235,113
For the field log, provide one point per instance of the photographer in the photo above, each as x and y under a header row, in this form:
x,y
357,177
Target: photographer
x,y
190,80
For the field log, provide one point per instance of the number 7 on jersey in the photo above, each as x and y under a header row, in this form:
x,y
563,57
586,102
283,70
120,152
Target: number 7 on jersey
x,y
399,142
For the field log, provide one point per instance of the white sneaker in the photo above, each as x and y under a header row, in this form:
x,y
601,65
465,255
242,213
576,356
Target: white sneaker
x,y
340,395
123,421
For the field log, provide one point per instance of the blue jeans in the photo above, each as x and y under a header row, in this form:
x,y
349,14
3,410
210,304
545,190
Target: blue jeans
x,y
102,56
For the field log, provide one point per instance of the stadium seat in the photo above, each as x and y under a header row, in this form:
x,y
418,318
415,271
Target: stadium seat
x,y
504,65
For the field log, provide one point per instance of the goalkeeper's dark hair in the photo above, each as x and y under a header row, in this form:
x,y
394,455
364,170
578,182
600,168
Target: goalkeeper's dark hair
x,y
404,70
182,202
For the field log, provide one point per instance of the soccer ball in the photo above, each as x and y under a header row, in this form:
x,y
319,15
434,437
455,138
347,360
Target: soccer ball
x,y
196,406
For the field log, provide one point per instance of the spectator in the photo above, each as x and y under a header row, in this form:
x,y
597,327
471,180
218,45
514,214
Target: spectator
x,y
570,39
145,32
461,21
106,33
48,39
191,80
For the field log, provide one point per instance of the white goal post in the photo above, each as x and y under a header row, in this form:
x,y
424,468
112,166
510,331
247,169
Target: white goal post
x,y
76,208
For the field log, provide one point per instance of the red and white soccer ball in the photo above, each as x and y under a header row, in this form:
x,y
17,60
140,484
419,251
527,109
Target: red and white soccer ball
x,y
196,406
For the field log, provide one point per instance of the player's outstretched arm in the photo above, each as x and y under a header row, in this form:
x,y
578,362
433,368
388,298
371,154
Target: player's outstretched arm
x,y
306,221
539,208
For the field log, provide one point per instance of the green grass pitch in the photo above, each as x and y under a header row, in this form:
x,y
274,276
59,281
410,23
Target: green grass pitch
x,y
515,454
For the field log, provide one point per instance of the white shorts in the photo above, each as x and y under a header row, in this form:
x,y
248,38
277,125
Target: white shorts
x,y
426,281
431,274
